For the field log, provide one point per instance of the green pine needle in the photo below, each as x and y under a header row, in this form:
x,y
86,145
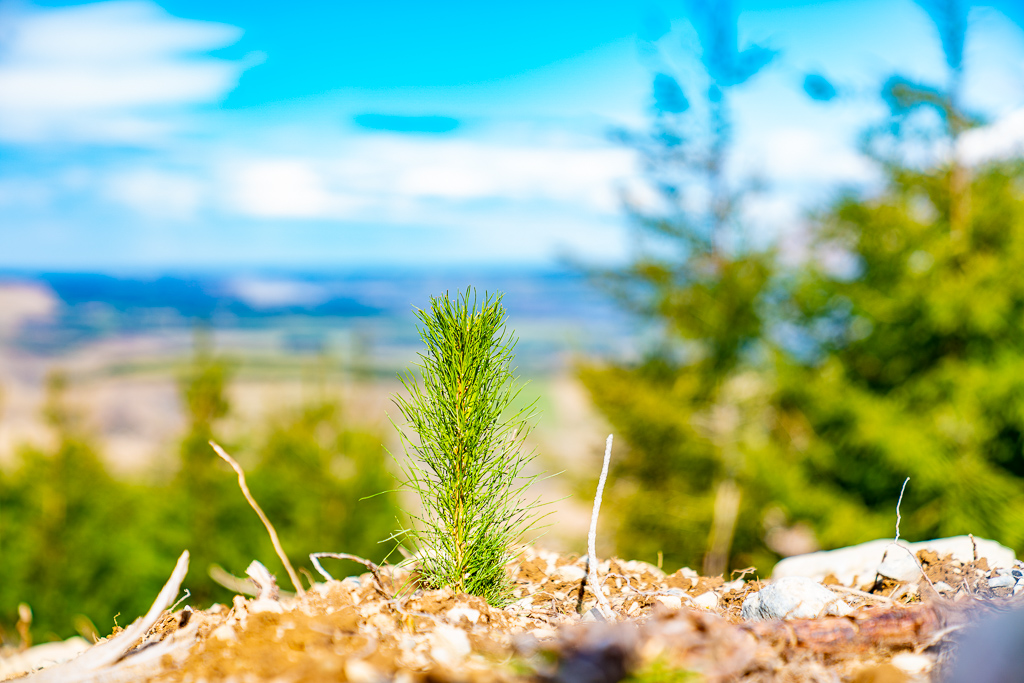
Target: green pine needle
x,y
466,462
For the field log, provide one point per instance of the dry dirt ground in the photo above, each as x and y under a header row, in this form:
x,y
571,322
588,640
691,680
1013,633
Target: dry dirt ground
x,y
678,627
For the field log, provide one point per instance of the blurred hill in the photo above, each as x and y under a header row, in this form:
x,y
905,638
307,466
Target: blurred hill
x,y
123,342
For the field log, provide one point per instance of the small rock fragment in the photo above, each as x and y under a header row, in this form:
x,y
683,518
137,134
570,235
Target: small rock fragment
x,y
707,600
225,633
793,598
449,645
570,573
857,564
912,664
1002,581
673,602
899,565
361,671
455,614
265,605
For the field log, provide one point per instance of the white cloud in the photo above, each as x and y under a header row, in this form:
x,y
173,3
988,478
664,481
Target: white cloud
x,y
156,194
285,188
808,155
264,293
107,72
1001,139
396,178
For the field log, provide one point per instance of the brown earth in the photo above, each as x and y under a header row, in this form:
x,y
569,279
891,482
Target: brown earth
x,y
667,628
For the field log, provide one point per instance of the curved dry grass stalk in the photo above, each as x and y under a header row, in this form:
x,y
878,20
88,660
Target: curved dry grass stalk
x,y
299,590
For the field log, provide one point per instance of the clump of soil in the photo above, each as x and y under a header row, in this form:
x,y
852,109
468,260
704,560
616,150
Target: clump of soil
x,y
667,628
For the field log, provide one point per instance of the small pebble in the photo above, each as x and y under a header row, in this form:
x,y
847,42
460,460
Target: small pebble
x,y
912,664
673,602
455,614
794,597
707,600
570,572
899,565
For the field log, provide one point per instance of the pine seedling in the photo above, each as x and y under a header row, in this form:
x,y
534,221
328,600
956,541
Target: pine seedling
x,y
466,462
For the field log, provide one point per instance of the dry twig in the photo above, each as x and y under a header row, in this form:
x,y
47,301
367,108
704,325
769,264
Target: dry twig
x,y
374,569
602,601
299,590
93,664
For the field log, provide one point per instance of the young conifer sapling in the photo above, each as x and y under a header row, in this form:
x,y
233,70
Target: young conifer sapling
x,y
464,447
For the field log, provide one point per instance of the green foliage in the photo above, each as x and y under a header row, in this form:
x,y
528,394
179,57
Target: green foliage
x,y
693,411
660,671
922,364
805,395
76,541
67,531
466,464
315,479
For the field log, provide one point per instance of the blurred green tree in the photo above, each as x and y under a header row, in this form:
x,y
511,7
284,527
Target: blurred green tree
x,y
699,271
800,398
314,479
204,512
918,356
307,473
67,531
80,546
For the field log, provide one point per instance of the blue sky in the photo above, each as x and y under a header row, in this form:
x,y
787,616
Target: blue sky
x,y
141,135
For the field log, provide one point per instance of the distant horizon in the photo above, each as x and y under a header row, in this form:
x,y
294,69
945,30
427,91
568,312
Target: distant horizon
x,y
341,270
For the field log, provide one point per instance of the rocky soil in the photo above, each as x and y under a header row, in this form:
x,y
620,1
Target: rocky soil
x,y
666,627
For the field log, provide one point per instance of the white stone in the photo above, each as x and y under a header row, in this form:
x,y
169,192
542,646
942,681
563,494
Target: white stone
x,y
360,671
42,656
638,567
707,600
455,614
794,597
265,605
570,572
525,603
449,645
912,664
1002,581
857,564
899,565
225,633
670,601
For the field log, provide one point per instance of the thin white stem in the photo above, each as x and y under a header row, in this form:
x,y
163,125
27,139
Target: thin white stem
x,y
898,503
896,541
595,587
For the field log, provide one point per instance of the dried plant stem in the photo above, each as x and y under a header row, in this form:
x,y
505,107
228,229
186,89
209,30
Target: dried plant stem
x,y
603,605
867,596
723,527
898,517
299,590
372,566
896,540
98,663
